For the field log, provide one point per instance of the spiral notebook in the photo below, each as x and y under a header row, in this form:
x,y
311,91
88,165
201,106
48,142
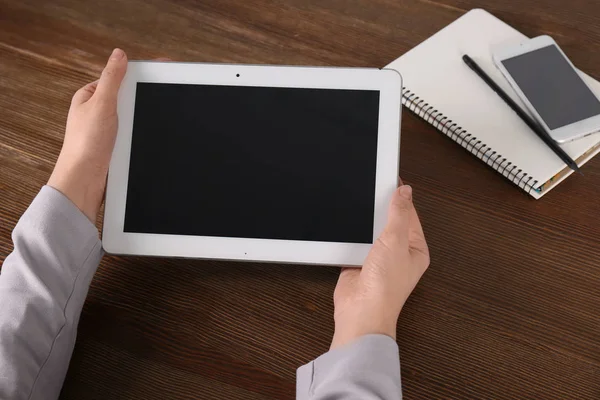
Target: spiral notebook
x,y
443,91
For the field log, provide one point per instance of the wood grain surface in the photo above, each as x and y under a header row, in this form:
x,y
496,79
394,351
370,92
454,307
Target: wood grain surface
x,y
509,309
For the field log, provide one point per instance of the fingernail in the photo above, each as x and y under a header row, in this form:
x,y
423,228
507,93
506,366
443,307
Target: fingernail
x,y
117,54
406,192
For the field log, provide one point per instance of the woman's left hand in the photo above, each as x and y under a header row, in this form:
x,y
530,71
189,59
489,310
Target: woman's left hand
x,y
82,166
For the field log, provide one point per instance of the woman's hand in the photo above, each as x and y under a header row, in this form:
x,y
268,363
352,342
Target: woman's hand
x,y
369,300
82,166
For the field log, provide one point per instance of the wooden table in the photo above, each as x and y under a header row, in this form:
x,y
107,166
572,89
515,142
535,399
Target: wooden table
x,y
510,307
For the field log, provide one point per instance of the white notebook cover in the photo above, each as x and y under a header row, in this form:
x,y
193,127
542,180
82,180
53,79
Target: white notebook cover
x,y
441,89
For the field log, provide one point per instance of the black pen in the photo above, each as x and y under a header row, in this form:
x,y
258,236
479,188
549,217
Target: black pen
x,y
535,127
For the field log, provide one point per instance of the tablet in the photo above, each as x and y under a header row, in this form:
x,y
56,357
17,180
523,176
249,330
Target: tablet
x,y
246,162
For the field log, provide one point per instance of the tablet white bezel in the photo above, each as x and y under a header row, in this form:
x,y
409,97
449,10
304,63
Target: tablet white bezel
x,y
387,82
562,134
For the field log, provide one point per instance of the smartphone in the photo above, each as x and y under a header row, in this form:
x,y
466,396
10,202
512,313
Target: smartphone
x,y
551,88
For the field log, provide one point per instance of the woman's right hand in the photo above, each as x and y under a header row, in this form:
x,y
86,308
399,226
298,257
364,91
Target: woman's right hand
x,y
369,300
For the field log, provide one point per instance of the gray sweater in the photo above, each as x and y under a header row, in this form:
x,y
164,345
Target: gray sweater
x,y
44,283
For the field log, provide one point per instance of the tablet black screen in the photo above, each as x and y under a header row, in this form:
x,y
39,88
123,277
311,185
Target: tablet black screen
x,y
253,162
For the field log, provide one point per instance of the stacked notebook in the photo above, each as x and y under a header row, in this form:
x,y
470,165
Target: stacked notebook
x,y
443,91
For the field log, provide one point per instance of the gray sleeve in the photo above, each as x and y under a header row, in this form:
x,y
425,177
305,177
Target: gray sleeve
x,y
43,285
367,369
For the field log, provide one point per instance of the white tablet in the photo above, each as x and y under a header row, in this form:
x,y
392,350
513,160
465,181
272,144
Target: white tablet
x,y
246,162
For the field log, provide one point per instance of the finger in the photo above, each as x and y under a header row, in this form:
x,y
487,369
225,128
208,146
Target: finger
x,y
84,93
416,229
400,183
112,75
399,217
348,275
347,281
417,244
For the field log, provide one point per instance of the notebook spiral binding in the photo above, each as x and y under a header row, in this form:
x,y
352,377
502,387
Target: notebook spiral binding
x,y
455,132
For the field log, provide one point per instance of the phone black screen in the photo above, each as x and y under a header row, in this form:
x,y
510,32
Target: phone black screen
x,y
553,87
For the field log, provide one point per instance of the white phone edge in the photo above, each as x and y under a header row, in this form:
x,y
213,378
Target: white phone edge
x,y
567,133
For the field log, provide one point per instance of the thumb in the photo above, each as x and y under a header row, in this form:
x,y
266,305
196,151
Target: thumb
x,y
399,215
346,284
112,75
